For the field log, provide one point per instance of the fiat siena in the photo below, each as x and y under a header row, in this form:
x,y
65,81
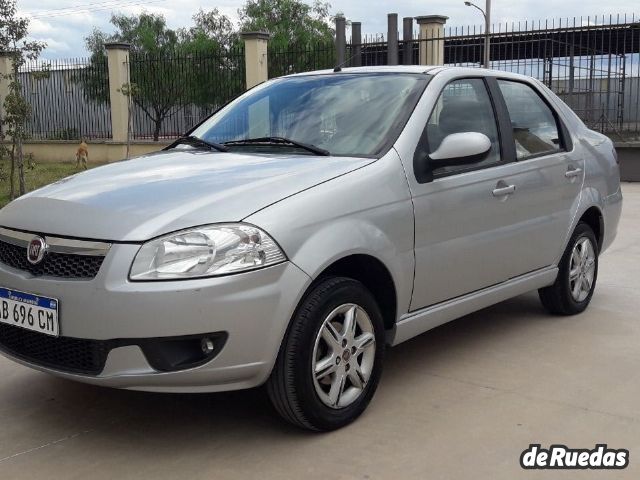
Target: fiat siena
x,y
305,227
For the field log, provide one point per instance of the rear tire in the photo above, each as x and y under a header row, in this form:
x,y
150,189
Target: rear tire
x,y
330,361
578,271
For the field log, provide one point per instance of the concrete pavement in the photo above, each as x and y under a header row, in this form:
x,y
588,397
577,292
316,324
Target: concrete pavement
x,y
460,402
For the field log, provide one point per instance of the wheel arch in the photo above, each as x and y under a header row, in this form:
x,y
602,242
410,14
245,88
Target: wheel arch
x,y
593,217
374,275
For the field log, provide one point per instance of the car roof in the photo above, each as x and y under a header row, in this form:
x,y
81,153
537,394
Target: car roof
x,y
379,69
426,69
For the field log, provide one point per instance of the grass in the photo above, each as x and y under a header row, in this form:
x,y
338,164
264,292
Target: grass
x,y
42,174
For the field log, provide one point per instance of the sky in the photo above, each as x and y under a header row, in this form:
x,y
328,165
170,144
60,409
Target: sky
x,y
63,24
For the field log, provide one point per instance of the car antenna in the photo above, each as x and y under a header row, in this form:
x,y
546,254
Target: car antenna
x,y
338,68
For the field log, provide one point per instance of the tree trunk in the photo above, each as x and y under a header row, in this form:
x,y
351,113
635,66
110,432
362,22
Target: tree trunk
x,y
20,158
12,176
156,131
129,115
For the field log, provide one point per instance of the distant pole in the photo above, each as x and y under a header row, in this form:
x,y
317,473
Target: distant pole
x,y
341,39
392,39
407,38
487,35
486,13
356,44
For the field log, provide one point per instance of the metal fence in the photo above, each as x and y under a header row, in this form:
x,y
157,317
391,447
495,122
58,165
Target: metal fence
x,y
300,58
68,98
592,63
173,93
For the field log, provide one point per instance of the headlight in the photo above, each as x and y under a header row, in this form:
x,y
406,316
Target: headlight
x,y
204,252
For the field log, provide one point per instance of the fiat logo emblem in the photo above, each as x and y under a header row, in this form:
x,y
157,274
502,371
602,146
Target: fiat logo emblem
x,y
36,250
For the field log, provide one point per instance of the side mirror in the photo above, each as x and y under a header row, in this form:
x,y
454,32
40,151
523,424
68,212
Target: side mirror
x,y
460,149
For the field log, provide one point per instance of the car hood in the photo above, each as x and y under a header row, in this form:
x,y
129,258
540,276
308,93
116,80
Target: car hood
x,y
139,199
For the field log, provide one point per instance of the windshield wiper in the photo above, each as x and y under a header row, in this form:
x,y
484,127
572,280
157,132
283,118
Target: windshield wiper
x,y
280,141
197,141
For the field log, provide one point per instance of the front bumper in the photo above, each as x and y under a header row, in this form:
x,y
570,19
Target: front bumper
x,y
252,308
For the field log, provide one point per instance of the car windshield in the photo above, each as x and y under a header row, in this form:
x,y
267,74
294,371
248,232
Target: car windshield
x,y
344,114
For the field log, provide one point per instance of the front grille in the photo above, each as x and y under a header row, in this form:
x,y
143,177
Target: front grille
x,y
66,354
63,265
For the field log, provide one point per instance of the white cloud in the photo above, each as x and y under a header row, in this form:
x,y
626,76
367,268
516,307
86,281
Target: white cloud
x,y
57,47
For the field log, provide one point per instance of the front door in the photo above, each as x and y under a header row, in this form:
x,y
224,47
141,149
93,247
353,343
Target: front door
x,y
463,216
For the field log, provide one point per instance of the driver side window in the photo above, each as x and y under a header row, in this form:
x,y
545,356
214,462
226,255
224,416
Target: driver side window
x,y
463,106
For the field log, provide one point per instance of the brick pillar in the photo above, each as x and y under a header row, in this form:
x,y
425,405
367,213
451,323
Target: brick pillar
x,y
118,64
432,39
6,68
255,57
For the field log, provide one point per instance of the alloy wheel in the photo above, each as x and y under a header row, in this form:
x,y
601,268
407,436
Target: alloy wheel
x,y
582,269
343,356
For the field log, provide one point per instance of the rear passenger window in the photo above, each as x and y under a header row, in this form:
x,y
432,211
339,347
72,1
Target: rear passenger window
x,y
535,129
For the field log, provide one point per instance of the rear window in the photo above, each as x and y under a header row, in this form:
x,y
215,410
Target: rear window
x,y
535,129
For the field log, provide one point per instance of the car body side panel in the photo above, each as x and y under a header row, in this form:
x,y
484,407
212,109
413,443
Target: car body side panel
x,y
466,239
368,211
601,184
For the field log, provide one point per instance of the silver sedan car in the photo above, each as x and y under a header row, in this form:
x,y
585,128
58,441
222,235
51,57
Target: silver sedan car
x,y
305,227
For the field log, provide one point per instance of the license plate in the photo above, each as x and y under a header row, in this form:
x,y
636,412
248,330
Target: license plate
x,y
29,311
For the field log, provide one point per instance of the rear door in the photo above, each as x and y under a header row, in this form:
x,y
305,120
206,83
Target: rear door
x,y
549,177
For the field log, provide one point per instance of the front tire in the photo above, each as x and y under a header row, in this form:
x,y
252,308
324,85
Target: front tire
x,y
578,271
330,361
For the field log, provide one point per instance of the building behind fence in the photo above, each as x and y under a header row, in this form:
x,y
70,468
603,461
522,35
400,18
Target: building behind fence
x,y
593,64
65,106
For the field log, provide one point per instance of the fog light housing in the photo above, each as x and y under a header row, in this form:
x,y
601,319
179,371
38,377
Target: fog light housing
x,y
180,353
207,345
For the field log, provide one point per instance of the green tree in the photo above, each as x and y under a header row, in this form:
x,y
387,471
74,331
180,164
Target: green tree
x,y
14,31
301,34
211,30
213,50
290,22
159,83
169,69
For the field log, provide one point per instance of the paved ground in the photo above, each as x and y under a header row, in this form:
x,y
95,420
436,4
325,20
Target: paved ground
x,y
460,402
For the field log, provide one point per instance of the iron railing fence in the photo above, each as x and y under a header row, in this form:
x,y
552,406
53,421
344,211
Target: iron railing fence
x,y
172,93
371,52
300,58
69,99
593,64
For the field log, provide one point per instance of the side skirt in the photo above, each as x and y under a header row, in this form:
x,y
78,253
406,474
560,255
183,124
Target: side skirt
x,y
415,323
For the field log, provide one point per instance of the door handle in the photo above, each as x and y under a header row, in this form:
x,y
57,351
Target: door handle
x,y
573,172
502,191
